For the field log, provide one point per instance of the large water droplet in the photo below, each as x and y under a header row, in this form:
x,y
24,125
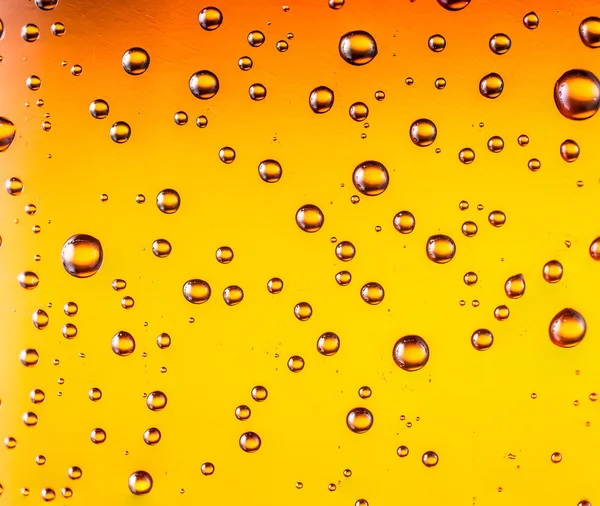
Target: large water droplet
x,y
454,5
196,291
250,442
359,111
372,293
140,483
168,201
99,109
411,353
310,218
210,18
491,85
577,94
430,458
589,31
123,343
515,286
553,271
482,339
423,132
29,357
7,133
204,84
440,249
359,420
120,132
321,99
567,328
30,32
270,171
136,61
370,178
358,48
82,255
328,344
46,5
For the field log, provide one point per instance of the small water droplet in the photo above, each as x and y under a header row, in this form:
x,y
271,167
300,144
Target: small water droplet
x,y
500,43
358,47
156,401
321,99
275,285
58,29
423,132
328,344
135,61
411,353
152,436
196,291
466,156
310,218
120,132
359,111
242,412
95,394
495,144
359,420
210,18
28,280
372,293
30,32
589,31
98,436
430,458
440,249
250,442
370,178
82,255
515,286
204,84
531,20
259,393
270,171
437,43
123,343
491,85
140,483
295,363
469,228
569,151
233,295
482,339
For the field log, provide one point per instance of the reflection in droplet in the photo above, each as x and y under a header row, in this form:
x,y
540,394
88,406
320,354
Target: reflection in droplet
x,y
30,32
161,248
7,133
556,457
495,144
37,396
358,48
204,84
163,340
470,278
156,401
152,436
135,61
589,31
196,291
95,394
123,343
454,5
328,344
440,249
74,472
500,43
531,20
168,201
466,156
295,363
40,319
553,271
224,255
343,278
259,393
359,111
257,92
469,228
242,412
233,295
270,171
372,293
303,311
321,99
82,255
491,85
227,155
430,458
210,18
482,339
275,285
250,442
370,178
345,251
13,186
567,328
58,29
515,286
256,38
99,109
29,357
569,151
411,353
501,313
140,483
497,218
534,165
402,451
207,468
120,132
34,83
359,420
423,132
98,436
310,218
28,280
69,331
437,43
577,94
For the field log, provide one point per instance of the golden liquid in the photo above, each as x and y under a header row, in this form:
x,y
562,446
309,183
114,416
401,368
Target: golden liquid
x,y
318,253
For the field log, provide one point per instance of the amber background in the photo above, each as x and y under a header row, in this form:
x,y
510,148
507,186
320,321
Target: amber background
x,y
474,408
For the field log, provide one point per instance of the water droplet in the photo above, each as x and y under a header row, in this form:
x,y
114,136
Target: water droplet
x,y
470,278
250,442
69,331
423,132
37,396
469,228
497,218
30,419
180,118
135,61
99,109
589,31
58,29
210,18
233,295
491,85
411,353
95,394
123,343
569,150
430,458
556,457
196,291
336,4
120,132
156,401
168,201
48,494
402,451
345,251
553,271
370,178
321,99
379,95
295,363
515,286
282,46
501,313
224,255
161,248
14,186
163,340
577,94
40,319
242,412
140,483
7,133
204,84
34,83
372,293
534,165
482,339
30,32
437,43
259,393
593,397
343,278
257,92
328,344
466,156
75,472
500,43
310,218
359,420
567,328
275,285
364,392
28,280
440,83
359,111
584,503
440,249
76,70
256,38
270,171
454,5
98,436
496,144
404,222
227,155
119,284
82,255
595,249
303,311
332,487
40,460
358,48
207,469
531,20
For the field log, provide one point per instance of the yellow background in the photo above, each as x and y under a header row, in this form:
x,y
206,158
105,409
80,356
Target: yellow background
x,y
474,408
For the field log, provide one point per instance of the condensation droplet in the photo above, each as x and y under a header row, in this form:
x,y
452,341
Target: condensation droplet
x,y
95,394
99,109
515,286
328,344
156,401
256,38
495,144
257,92
577,94
135,61
454,5
207,468
569,151
358,47
210,18
372,293
303,311
531,20
359,111
423,132
470,278
58,29
82,255
275,285
595,249
589,31
295,363
430,458
321,99
370,178
233,295
270,171
466,156
491,85
482,339
567,328
242,412
98,436
180,118
30,32
163,340
259,393
553,271
310,218
123,343
411,353
359,420
120,132
28,280
7,133
440,249
227,155
37,396
196,291
161,248
440,83
345,251
501,313
204,84
40,319
402,451
469,228
250,442
556,457
437,43
500,43
140,483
